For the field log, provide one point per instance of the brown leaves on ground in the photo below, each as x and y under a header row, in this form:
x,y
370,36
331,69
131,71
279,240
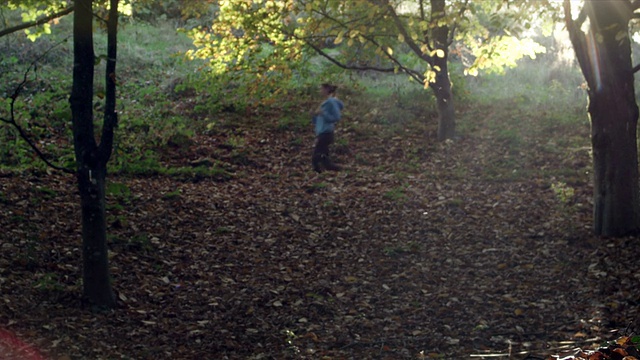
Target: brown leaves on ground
x,y
416,250
624,348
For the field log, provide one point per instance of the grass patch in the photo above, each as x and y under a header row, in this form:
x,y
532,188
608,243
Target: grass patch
x,y
397,194
172,195
293,123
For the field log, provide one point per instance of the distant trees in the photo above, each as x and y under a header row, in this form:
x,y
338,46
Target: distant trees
x,y
414,38
604,54
91,156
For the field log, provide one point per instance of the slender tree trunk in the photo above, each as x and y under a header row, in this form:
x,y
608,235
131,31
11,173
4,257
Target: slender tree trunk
x,y
605,59
442,86
97,290
91,165
444,98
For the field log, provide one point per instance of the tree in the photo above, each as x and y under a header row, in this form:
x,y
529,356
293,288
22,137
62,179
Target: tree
x,y
91,156
604,55
37,14
411,37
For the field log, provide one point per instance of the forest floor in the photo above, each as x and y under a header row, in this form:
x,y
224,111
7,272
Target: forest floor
x,y
417,249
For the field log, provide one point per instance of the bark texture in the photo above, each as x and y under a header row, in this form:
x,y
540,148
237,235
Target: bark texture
x,y
442,85
91,162
604,54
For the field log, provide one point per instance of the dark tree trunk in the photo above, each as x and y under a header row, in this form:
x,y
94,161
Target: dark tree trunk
x,y
444,98
442,85
91,164
605,59
96,279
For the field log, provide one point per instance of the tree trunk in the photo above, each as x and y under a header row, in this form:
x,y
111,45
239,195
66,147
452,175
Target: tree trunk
x,y
442,86
615,163
91,165
605,59
96,278
444,98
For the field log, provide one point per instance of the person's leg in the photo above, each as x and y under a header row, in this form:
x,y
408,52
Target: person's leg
x,y
321,151
326,160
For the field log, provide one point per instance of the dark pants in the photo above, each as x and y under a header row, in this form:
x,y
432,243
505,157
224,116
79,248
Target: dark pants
x,y
321,153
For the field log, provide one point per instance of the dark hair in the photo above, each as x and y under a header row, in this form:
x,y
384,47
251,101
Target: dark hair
x,y
331,89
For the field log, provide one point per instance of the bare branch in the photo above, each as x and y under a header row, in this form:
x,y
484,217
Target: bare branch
x,y
12,116
412,73
582,16
578,40
38,22
636,69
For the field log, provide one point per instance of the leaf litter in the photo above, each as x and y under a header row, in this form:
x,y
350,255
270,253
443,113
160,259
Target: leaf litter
x,y
416,250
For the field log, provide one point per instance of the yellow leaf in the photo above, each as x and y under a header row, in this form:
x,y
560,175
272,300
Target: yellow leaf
x,y
400,37
518,312
621,341
471,71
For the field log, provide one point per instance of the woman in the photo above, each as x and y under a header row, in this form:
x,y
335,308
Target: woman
x,y
324,120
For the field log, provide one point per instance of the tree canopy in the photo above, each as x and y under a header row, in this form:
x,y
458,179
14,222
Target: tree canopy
x,y
385,36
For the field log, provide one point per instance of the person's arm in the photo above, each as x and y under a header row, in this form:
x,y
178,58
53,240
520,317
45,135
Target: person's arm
x,y
330,112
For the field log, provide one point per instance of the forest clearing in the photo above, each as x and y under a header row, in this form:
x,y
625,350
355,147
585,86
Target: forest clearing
x,y
416,247
223,243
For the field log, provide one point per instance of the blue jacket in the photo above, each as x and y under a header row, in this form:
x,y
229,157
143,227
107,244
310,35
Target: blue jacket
x,y
325,122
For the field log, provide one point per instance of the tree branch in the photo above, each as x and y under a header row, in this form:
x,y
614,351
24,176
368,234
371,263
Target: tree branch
x,y
454,27
412,73
582,16
407,38
578,40
636,69
12,117
38,22
110,115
